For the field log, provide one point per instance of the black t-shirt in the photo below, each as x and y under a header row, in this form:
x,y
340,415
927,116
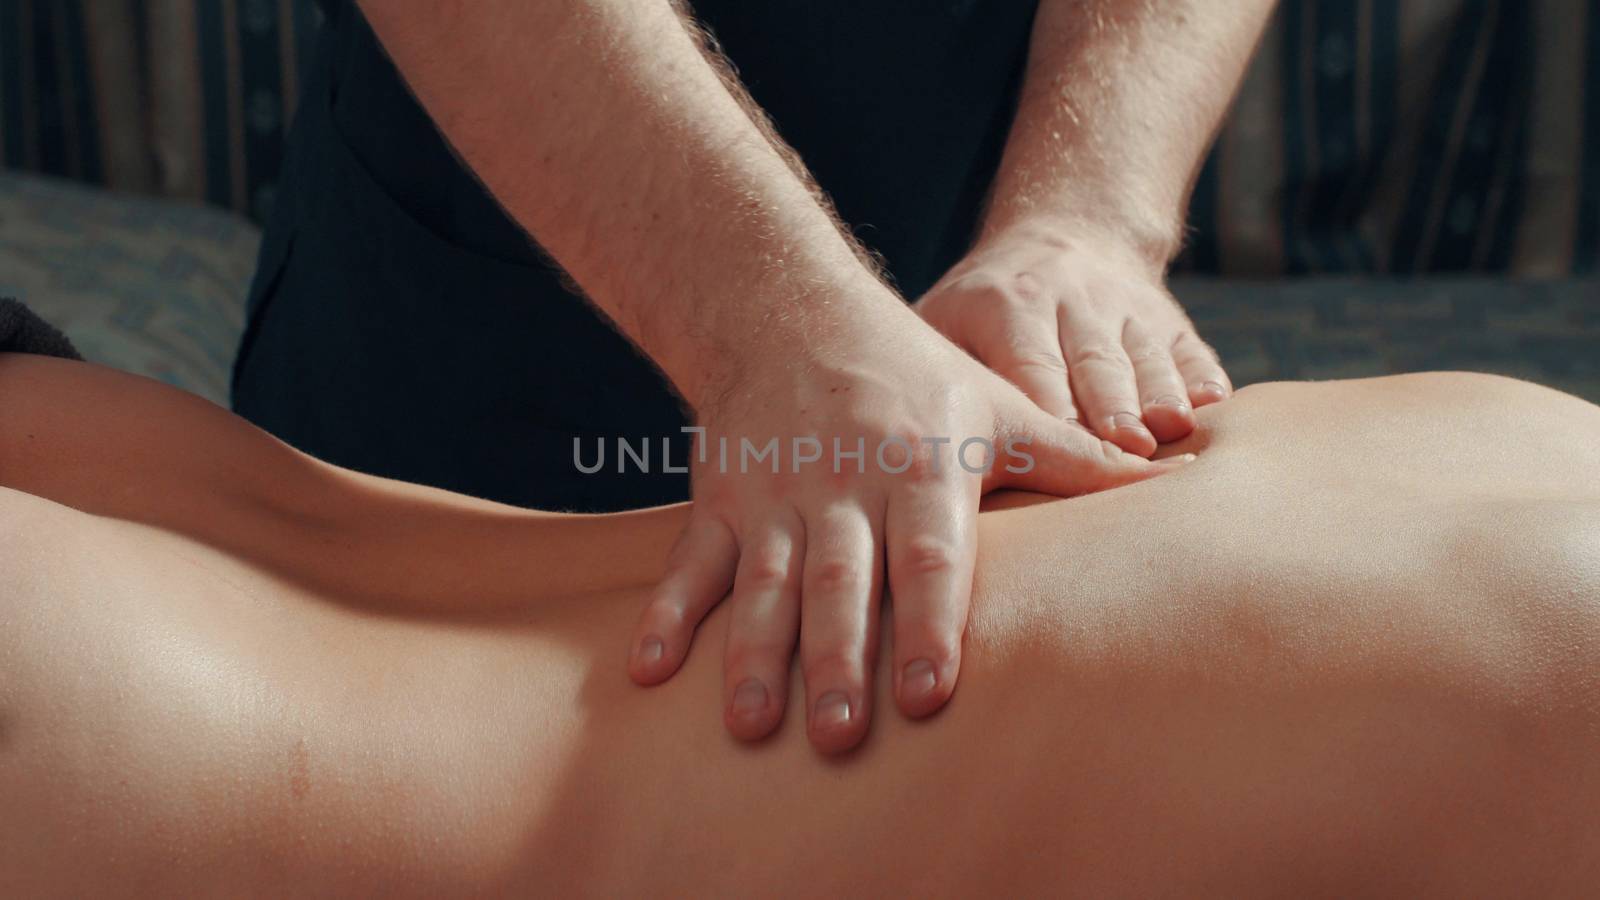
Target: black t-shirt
x,y
401,324
899,108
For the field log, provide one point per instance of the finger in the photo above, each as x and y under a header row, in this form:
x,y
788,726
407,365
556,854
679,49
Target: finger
x,y
1029,356
838,622
1162,396
1038,453
930,532
1103,382
763,629
698,576
1202,373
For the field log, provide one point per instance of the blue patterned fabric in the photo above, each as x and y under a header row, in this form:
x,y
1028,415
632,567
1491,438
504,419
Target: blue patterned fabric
x,y
140,284
184,98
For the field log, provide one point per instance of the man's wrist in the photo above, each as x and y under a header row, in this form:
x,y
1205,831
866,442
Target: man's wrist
x,y
790,327
1149,242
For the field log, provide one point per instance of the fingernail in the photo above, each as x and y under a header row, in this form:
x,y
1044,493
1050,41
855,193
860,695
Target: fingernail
x,y
832,710
1126,421
650,649
750,696
918,679
1178,460
1169,400
1212,387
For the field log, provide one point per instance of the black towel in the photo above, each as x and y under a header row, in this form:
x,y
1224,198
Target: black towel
x,y
22,331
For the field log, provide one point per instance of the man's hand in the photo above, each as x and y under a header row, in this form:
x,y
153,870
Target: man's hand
x,y
804,552
1064,292
625,146
1085,328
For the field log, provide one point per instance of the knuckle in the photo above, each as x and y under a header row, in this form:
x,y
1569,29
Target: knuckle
x,y
1029,287
1098,354
1148,353
1014,305
979,285
835,575
763,573
924,467
918,469
1010,295
927,555
1037,362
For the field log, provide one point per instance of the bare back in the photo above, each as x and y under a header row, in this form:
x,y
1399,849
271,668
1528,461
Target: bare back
x,y
1357,640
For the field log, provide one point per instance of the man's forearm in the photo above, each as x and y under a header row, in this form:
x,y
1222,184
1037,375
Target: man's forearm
x,y
1120,101
604,130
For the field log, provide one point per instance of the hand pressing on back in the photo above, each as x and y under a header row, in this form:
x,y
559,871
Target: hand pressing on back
x,y
1085,327
804,549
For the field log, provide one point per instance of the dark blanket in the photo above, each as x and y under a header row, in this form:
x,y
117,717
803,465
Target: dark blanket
x,y
22,331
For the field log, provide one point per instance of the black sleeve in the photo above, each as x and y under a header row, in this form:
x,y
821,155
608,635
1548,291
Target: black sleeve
x,y
22,331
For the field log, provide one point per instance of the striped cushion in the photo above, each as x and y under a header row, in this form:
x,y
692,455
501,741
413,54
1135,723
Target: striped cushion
x,y
1410,137
184,98
1403,136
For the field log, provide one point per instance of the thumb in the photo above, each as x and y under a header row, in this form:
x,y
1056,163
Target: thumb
x,y
1039,452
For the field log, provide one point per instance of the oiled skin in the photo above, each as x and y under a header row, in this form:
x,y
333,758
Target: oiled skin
x,y
1380,671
